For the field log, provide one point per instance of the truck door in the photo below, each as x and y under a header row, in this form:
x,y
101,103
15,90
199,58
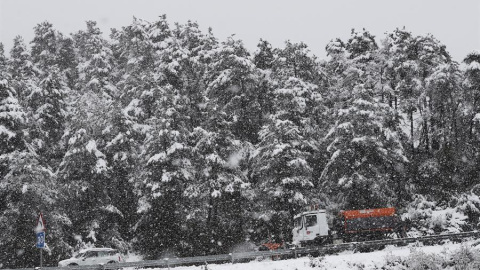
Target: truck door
x,y
298,229
311,227
315,226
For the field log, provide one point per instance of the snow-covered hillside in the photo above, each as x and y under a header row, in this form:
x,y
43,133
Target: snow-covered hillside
x,y
415,256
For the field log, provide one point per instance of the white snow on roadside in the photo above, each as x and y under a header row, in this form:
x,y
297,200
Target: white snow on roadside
x,y
343,261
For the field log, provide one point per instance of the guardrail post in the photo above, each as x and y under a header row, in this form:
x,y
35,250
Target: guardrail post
x,y
231,258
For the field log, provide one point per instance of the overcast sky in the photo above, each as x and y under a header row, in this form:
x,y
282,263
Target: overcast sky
x,y
455,23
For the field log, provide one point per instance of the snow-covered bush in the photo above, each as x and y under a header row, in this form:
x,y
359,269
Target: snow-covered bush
x,y
316,262
465,258
417,260
469,204
428,217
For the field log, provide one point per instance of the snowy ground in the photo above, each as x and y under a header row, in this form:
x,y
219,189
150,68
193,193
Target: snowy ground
x,y
344,260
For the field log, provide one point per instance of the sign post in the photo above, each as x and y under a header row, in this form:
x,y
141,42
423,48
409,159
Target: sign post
x,y
40,232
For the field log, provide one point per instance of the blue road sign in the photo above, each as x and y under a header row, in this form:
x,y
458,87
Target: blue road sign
x,y
40,239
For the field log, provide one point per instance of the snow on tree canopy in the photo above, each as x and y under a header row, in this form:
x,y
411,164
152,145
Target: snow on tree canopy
x,y
164,139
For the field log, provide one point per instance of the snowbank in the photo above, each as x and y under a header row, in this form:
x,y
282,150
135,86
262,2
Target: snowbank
x,y
414,256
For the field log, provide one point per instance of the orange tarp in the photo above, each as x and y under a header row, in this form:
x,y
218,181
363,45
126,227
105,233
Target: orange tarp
x,y
366,213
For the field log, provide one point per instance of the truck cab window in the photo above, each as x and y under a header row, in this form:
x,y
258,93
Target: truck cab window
x,y
310,221
297,223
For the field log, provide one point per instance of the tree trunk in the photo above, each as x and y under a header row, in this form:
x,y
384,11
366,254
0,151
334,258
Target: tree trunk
x,y
411,131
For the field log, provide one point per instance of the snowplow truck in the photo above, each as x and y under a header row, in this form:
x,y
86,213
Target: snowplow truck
x,y
311,227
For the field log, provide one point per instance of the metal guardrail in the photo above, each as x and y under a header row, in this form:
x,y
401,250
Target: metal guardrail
x,y
282,253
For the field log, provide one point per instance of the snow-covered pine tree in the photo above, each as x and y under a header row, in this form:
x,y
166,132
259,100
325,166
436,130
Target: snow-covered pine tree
x,y
444,92
234,115
121,150
99,218
282,174
45,46
430,54
366,153
46,103
219,187
85,178
296,60
167,155
399,50
472,93
26,187
263,58
190,55
471,114
137,49
337,62
21,69
135,68
233,81
168,168
12,117
67,61
47,112
96,64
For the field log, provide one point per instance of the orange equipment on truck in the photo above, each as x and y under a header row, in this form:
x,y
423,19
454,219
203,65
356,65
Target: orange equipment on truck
x,y
369,220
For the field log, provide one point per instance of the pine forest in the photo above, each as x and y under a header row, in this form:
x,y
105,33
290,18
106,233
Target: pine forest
x,y
158,138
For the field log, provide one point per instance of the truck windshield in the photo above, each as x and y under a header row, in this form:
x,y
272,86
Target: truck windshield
x,y
297,223
310,221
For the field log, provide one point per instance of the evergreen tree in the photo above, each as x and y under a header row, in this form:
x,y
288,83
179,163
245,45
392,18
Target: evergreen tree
x,y
97,62
27,189
233,90
401,74
295,60
84,174
47,116
430,54
472,85
366,155
47,106
264,57
121,151
282,173
366,152
361,45
471,98
220,187
168,169
12,116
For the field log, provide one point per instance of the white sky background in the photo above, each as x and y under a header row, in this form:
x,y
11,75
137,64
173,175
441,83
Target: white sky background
x,y
455,23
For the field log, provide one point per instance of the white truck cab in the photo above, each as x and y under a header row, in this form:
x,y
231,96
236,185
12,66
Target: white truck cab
x,y
310,227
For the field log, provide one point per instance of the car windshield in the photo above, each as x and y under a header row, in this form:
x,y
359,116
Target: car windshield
x,y
80,255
